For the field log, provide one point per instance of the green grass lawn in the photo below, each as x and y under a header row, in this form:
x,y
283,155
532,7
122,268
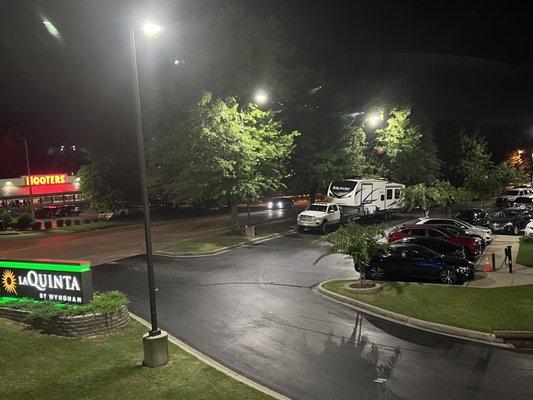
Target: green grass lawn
x,y
204,242
89,227
479,309
525,255
37,366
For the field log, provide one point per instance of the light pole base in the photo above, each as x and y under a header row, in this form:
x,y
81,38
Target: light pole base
x,y
155,350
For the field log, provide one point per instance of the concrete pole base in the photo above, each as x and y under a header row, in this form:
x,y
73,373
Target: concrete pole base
x,y
155,350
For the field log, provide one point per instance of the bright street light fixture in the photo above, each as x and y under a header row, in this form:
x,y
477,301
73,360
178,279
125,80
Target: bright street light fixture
x,y
261,97
374,119
151,29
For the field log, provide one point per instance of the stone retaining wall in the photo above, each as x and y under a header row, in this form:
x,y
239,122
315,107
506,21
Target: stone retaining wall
x,y
79,325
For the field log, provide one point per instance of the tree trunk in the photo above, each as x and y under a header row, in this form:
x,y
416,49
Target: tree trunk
x,y
312,193
235,224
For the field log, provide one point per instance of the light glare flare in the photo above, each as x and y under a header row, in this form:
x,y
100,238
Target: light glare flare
x,y
52,30
151,29
261,98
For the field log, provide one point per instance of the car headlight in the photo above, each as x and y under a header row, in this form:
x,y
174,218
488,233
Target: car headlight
x,y
270,204
280,204
509,224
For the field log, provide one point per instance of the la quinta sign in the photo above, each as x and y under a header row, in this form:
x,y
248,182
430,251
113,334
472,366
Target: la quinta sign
x,y
43,279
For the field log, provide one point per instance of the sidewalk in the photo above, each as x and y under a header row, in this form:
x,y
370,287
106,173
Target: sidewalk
x,y
521,275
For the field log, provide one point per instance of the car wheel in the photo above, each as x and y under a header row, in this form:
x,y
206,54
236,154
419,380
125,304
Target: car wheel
x,y
448,277
324,227
376,273
300,229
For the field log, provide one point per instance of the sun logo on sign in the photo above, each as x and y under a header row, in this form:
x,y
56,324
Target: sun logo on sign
x,y
9,281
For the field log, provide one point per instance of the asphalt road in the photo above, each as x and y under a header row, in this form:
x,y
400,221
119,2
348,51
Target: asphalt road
x,y
252,310
110,244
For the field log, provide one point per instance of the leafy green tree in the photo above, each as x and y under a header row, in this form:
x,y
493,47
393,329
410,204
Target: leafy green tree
x,y
329,148
419,197
108,183
223,152
409,154
358,242
445,195
474,158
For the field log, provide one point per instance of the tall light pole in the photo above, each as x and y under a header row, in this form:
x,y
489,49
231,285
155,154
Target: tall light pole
x,y
28,172
155,342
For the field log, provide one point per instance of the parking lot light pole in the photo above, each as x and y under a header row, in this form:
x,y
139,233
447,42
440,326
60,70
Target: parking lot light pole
x,y
155,342
28,172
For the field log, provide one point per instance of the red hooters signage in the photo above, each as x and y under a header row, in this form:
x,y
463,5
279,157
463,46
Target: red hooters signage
x,y
37,180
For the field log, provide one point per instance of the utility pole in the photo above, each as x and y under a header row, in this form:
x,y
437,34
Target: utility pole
x,y
28,172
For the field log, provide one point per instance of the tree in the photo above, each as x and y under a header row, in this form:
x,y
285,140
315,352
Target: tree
x,y
108,183
329,148
474,158
223,152
12,155
409,154
359,243
419,197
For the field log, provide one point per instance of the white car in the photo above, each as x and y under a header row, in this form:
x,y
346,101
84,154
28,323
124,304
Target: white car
x,y
529,228
481,231
319,215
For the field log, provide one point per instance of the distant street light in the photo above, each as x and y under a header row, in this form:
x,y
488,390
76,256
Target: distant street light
x,y
261,97
155,343
28,172
374,120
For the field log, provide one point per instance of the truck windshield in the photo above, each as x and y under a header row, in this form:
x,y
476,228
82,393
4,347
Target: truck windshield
x,y
317,207
511,192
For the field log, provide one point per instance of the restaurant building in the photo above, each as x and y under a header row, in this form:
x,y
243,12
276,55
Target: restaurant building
x,y
47,189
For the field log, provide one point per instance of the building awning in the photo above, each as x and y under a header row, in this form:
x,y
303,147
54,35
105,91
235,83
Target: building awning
x,y
13,192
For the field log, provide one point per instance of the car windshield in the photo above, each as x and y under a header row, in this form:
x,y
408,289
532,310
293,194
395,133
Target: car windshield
x,y
506,214
317,207
511,192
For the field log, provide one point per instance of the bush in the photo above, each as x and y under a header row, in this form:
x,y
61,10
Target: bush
x,y
86,221
527,239
36,226
5,220
101,303
77,222
68,222
47,224
24,221
60,223
96,220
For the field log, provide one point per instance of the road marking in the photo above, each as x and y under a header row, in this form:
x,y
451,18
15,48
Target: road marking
x,y
380,380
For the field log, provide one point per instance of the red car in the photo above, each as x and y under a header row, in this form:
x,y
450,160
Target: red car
x,y
471,245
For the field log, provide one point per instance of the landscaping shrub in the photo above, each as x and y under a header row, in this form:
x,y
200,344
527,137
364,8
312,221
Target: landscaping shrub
x,y
77,222
47,224
60,223
68,222
101,303
527,239
96,220
5,220
86,221
36,226
23,221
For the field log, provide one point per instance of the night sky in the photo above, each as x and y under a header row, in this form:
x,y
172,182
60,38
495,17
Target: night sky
x,y
462,60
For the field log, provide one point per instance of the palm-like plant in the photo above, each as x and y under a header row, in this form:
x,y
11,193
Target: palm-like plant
x,y
357,242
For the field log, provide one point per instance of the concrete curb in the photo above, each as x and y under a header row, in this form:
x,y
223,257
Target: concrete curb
x,y
216,365
225,248
466,334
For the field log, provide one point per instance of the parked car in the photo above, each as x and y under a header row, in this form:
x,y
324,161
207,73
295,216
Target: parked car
x,y
510,221
319,215
47,212
472,245
437,245
471,230
68,210
279,203
474,216
413,262
525,202
507,198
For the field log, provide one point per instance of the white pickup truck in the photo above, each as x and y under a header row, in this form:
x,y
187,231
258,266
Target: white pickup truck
x,y
319,215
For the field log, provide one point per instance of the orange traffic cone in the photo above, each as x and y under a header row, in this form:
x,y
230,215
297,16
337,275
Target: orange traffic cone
x,y
488,266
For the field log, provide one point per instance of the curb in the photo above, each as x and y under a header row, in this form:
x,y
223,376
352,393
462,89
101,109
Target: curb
x,y
461,333
214,364
225,248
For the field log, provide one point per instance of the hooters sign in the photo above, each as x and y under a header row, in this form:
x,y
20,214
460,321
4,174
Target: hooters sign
x,y
37,180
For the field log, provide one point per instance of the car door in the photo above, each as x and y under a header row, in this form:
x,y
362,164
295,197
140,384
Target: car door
x,y
397,265
425,267
335,214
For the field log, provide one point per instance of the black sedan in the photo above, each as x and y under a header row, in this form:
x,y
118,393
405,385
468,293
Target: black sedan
x,y
474,216
510,220
413,262
279,203
437,245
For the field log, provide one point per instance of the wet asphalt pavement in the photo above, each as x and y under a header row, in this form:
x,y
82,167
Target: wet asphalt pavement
x,y
252,310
